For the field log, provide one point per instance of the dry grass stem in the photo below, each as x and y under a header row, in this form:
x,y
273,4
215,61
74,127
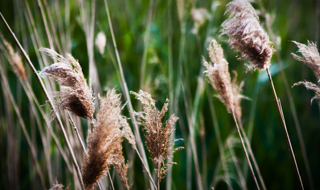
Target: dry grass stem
x,y
246,35
104,142
310,56
15,60
75,94
310,85
218,75
157,132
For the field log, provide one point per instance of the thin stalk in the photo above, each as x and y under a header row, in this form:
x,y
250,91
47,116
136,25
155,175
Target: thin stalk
x,y
171,89
278,103
146,42
32,148
74,161
45,24
253,157
286,85
217,133
191,123
56,140
127,97
235,161
145,166
245,150
52,27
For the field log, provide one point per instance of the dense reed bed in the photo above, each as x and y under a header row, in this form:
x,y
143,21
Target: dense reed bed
x,y
157,94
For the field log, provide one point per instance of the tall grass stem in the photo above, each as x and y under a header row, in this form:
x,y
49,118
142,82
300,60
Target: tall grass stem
x,y
245,150
278,103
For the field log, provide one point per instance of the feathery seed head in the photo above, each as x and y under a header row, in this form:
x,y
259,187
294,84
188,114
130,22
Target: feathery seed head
x,y
104,142
310,56
15,61
218,74
75,94
310,85
157,132
246,35
100,42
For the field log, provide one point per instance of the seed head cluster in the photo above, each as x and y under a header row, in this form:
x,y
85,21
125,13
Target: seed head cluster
x,y
75,94
104,142
15,61
310,56
246,35
219,77
310,85
157,132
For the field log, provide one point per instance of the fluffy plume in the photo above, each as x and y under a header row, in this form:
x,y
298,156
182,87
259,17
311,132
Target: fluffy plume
x,y
100,42
246,35
157,133
310,56
218,74
15,61
57,186
199,17
104,143
75,94
310,85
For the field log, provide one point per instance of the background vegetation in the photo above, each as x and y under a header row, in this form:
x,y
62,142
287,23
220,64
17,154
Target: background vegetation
x,y
153,32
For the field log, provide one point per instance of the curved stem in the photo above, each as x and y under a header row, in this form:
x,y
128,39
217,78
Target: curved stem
x,y
278,103
245,151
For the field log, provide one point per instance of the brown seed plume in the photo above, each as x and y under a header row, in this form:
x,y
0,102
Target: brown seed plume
x,y
15,61
246,35
75,94
310,56
104,142
218,74
310,85
157,132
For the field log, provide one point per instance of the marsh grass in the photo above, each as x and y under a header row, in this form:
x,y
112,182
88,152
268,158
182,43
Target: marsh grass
x,y
155,46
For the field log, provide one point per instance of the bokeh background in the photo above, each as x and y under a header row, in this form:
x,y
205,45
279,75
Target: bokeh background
x,y
160,37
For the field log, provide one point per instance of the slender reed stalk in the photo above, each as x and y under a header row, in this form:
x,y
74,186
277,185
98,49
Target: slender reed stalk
x,y
236,164
32,148
146,42
74,161
289,94
127,97
52,27
278,103
245,150
252,157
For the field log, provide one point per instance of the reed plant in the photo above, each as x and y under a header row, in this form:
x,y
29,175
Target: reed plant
x,y
67,120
